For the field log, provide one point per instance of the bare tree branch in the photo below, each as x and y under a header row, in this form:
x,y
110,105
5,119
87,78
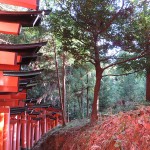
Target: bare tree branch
x,y
123,74
113,18
130,59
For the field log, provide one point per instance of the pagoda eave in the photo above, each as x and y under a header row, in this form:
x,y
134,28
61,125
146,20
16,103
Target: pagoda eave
x,y
26,19
23,49
22,73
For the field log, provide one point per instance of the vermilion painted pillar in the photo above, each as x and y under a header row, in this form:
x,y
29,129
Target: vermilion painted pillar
x,y
11,135
14,136
47,125
1,129
29,133
56,121
32,133
37,131
52,123
23,132
6,136
4,127
40,128
18,132
45,122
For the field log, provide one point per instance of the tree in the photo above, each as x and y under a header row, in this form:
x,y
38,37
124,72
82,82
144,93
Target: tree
x,y
92,28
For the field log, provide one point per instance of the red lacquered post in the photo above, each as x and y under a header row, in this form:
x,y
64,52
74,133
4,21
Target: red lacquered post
x,y
11,135
32,133
14,136
23,132
1,128
40,129
44,123
49,124
52,124
56,121
37,131
29,133
6,136
18,132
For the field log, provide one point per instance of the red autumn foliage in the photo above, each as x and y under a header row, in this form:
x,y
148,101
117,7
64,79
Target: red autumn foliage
x,y
124,131
127,131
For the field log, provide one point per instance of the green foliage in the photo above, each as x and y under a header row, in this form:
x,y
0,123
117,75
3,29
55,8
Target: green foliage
x,y
137,37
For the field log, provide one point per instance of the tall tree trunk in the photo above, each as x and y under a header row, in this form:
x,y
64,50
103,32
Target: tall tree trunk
x,y
80,106
67,101
87,96
146,46
59,87
75,110
64,87
99,71
148,85
94,114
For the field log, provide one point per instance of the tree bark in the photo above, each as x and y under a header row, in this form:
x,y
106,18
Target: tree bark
x,y
59,87
87,95
67,101
146,46
64,87
80,107
148,85
94,114
99,71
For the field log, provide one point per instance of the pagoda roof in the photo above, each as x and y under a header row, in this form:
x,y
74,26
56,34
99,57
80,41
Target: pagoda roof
x,y
24,81
25,18
22,49
28,86
25,74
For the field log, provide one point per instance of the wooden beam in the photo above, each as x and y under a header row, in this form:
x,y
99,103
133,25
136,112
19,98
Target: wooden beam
x,y
19,95
10,103
9,67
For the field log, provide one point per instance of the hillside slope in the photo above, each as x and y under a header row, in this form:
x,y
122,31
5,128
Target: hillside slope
x,y
124,131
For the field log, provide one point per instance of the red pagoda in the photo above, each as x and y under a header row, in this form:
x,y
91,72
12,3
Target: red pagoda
x,y
22,121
